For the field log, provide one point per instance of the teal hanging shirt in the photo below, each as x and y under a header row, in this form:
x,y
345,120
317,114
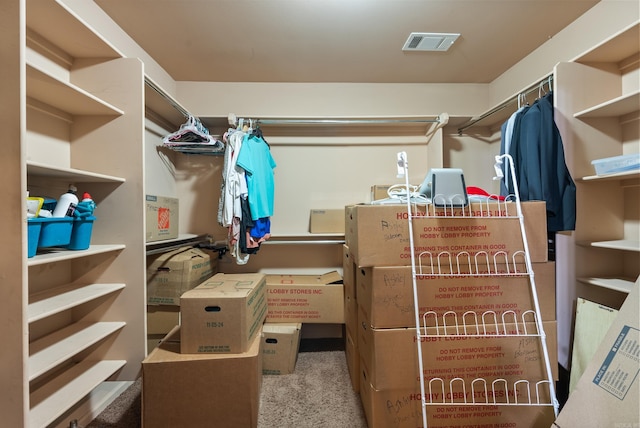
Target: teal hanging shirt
x,y
255,158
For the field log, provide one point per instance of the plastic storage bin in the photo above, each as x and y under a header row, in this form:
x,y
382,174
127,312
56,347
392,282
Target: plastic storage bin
x,y
34,226
615,164
55,232
81,233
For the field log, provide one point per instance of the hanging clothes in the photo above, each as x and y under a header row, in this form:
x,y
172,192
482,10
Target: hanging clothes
x,y
538,154
256,159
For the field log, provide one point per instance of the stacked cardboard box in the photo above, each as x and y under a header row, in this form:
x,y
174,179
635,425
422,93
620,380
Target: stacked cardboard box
x,y
379,288
219,342
168,276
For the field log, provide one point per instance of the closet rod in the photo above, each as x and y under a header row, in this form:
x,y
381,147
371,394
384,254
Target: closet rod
x,y
535,87
233,121
167,97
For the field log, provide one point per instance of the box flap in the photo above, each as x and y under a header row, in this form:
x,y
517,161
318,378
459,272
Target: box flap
x,y
332,277
226,286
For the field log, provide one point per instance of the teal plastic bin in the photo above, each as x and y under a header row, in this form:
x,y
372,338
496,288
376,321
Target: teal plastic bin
x,y
55,232
81,233
34,226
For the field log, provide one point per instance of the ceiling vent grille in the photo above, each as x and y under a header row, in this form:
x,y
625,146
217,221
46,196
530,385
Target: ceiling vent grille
x,y
430,42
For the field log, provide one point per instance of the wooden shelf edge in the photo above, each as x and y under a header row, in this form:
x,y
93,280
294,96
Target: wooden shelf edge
x,y
52,350
617,284
56,397
71,174
618,106
51,302
57,255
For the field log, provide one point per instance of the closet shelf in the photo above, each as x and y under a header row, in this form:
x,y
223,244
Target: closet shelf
x,y
65,96
61,255
184,239
53,21
70,174
620,176
52,350
617,284
619,106
60,394
619,244
51,302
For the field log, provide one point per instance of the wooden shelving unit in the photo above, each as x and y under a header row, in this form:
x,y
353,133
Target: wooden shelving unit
x,y
75,320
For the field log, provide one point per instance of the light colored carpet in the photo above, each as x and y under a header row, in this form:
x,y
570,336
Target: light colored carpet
x,y
317,394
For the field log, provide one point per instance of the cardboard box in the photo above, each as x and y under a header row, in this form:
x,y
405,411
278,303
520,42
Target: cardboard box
x,y
350,301
380,191
280,343
378,235
353,360
306,298
180,390
386,294
223,314
162,319
402,408
162,218
391,356
608,391
172,273
327,221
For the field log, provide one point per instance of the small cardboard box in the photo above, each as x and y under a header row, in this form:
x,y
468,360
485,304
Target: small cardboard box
x,y
380,191
172,273
162,319
280,347
386,294
608,391
327,221
180,390
162,218
315,299
378,235
223,314
391,356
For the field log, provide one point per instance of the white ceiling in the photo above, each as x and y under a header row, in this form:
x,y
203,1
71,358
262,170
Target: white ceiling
x,y
339,40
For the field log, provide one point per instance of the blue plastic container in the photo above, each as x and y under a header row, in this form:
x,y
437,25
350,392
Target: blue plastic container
x,y
34,226
81,233
55,232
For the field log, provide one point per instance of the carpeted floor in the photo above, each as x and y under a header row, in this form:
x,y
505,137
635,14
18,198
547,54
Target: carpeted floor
x,y
317,394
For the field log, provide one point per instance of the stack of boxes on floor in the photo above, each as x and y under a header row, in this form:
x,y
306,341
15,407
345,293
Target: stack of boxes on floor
x,y
381,341
222,336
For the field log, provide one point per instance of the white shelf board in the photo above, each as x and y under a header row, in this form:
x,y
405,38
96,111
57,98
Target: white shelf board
x,y
53,21
56,255
626,175
57,396
49,351
617,284
65,96
51,302
70,174
613,108
619,244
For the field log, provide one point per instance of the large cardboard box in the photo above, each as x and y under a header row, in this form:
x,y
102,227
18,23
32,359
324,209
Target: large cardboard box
x,y
386,294
223,314
280,343
353,359
306,298
200,390
378,235
608,391
349,273
401,408
327,221
162,319
172,273
162,218
391,356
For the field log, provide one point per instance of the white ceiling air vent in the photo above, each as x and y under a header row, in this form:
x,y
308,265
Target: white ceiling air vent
x,y
430,42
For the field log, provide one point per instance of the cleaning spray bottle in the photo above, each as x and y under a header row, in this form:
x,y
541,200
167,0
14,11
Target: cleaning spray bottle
x,y
66,205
